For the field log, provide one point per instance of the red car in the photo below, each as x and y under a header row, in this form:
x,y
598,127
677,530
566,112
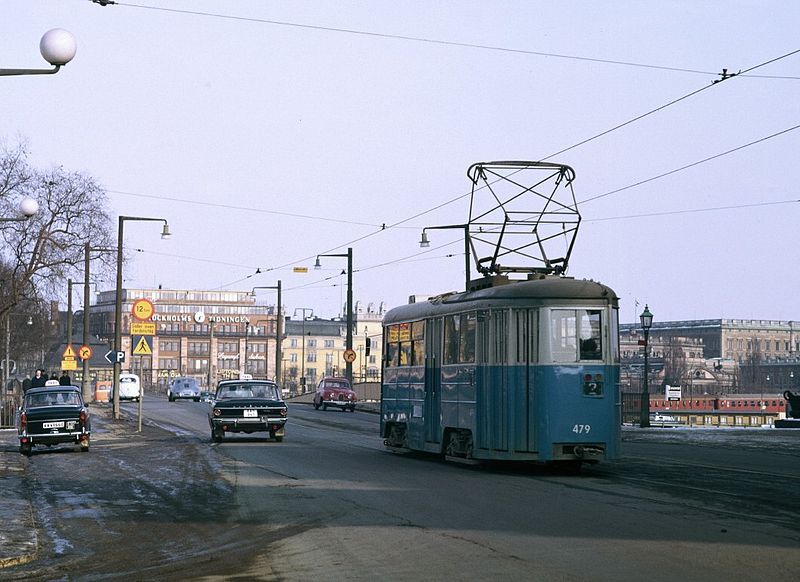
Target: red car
x,y
335,392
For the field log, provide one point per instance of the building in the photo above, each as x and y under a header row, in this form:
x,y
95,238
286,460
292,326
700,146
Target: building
x,y
714,356
314,348
210,335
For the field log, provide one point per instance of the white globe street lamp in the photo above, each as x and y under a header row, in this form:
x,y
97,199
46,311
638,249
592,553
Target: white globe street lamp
x,y
57,46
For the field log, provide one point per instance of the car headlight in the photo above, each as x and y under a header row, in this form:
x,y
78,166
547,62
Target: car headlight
x,y
217,412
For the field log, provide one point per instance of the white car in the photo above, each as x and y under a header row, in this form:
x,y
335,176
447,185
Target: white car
x,y
129,387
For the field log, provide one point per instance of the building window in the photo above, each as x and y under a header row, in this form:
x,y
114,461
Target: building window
x,y
169,346
293,342
312,343
198,348
328,343
293,358
168,363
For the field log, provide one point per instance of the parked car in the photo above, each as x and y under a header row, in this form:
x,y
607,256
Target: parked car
x,y
53,415
247,406
129,388
183,387
335,392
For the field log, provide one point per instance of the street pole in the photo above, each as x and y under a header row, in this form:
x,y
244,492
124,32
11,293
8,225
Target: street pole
x,y
349,333
118,307
69,312
646,319
349,336
86,387
278,332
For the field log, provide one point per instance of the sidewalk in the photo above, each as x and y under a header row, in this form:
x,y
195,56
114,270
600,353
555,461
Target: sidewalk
x,y
18,539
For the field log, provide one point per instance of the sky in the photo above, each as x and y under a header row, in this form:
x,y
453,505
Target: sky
x,y
268,132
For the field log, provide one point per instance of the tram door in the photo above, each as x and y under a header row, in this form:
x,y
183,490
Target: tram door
x,y
496,422
433,380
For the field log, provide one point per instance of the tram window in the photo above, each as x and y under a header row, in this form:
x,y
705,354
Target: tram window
x,y
563,335
590,335
405,353
459,338
392,354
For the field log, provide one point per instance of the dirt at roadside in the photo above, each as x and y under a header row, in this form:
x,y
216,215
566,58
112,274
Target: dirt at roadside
x,y
147,505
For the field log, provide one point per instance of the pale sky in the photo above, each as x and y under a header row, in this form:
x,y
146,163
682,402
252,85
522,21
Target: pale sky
x,y
299,128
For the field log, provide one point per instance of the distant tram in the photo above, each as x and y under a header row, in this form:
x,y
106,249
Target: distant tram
x,y
519,371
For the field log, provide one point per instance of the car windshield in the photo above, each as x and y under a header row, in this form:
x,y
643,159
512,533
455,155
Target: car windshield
x,y
126,380
336,384
54,399
248,391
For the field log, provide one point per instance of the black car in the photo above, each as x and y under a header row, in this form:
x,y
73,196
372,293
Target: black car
x,y
53,415
247,406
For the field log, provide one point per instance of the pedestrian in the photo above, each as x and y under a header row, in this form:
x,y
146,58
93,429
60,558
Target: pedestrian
x,y
26,384
65,380
38,380
54,376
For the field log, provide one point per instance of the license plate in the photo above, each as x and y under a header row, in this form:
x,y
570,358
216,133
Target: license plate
x,y
52,424
251,413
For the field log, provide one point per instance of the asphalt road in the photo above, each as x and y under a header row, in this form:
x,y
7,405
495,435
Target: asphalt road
x,y
328,503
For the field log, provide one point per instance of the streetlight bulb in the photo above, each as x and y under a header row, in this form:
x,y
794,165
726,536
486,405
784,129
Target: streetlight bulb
x,y
165,234
317,265
28,207
58,46
423,242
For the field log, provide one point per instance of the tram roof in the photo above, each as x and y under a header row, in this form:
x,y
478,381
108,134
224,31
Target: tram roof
x,y
534,292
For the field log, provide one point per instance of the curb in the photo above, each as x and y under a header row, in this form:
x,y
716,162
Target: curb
x,y
19,542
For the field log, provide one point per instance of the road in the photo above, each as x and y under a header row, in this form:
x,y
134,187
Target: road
x,y
329,503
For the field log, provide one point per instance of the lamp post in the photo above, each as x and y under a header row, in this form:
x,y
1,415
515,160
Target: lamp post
x,y
246,343
646,319
86,387
57,47
28,207
424,243
118,307
349,336
303,347
278,330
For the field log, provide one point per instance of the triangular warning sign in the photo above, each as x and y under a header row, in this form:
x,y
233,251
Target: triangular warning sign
x,y
69,352
143,348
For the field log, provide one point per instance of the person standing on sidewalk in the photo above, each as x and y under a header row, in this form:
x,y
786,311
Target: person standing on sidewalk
x,y
65,380
38,380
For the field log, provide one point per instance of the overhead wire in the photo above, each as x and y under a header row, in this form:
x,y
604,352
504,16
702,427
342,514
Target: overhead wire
x,y
421,39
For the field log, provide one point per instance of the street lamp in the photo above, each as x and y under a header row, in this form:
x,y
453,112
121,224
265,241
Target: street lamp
x,y
303,347
57,47
349,336
278,330
28,207
424,243
86,387
646,319
165,234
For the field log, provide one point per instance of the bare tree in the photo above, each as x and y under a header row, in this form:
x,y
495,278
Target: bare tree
x,y
675,366
39,254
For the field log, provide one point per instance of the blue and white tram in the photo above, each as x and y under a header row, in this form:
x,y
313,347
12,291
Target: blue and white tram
x,y
522,371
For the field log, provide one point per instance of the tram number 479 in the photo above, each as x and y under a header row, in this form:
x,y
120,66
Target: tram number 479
x,y
582,428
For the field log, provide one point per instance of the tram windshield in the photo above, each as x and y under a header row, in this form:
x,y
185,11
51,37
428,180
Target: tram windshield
x,y
576,334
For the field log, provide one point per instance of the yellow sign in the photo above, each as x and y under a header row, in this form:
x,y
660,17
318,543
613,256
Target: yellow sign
x,y
349,356
139,328
143,309
300,270
69,365
85,352
69,352
143,348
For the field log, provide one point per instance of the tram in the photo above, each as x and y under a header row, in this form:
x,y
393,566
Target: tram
x,y
524,370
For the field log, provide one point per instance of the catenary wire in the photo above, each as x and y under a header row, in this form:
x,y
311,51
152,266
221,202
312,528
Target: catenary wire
x,y
420,39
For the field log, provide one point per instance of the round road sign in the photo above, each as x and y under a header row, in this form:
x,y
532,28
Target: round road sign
x,y
85,352
349,356
143,309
